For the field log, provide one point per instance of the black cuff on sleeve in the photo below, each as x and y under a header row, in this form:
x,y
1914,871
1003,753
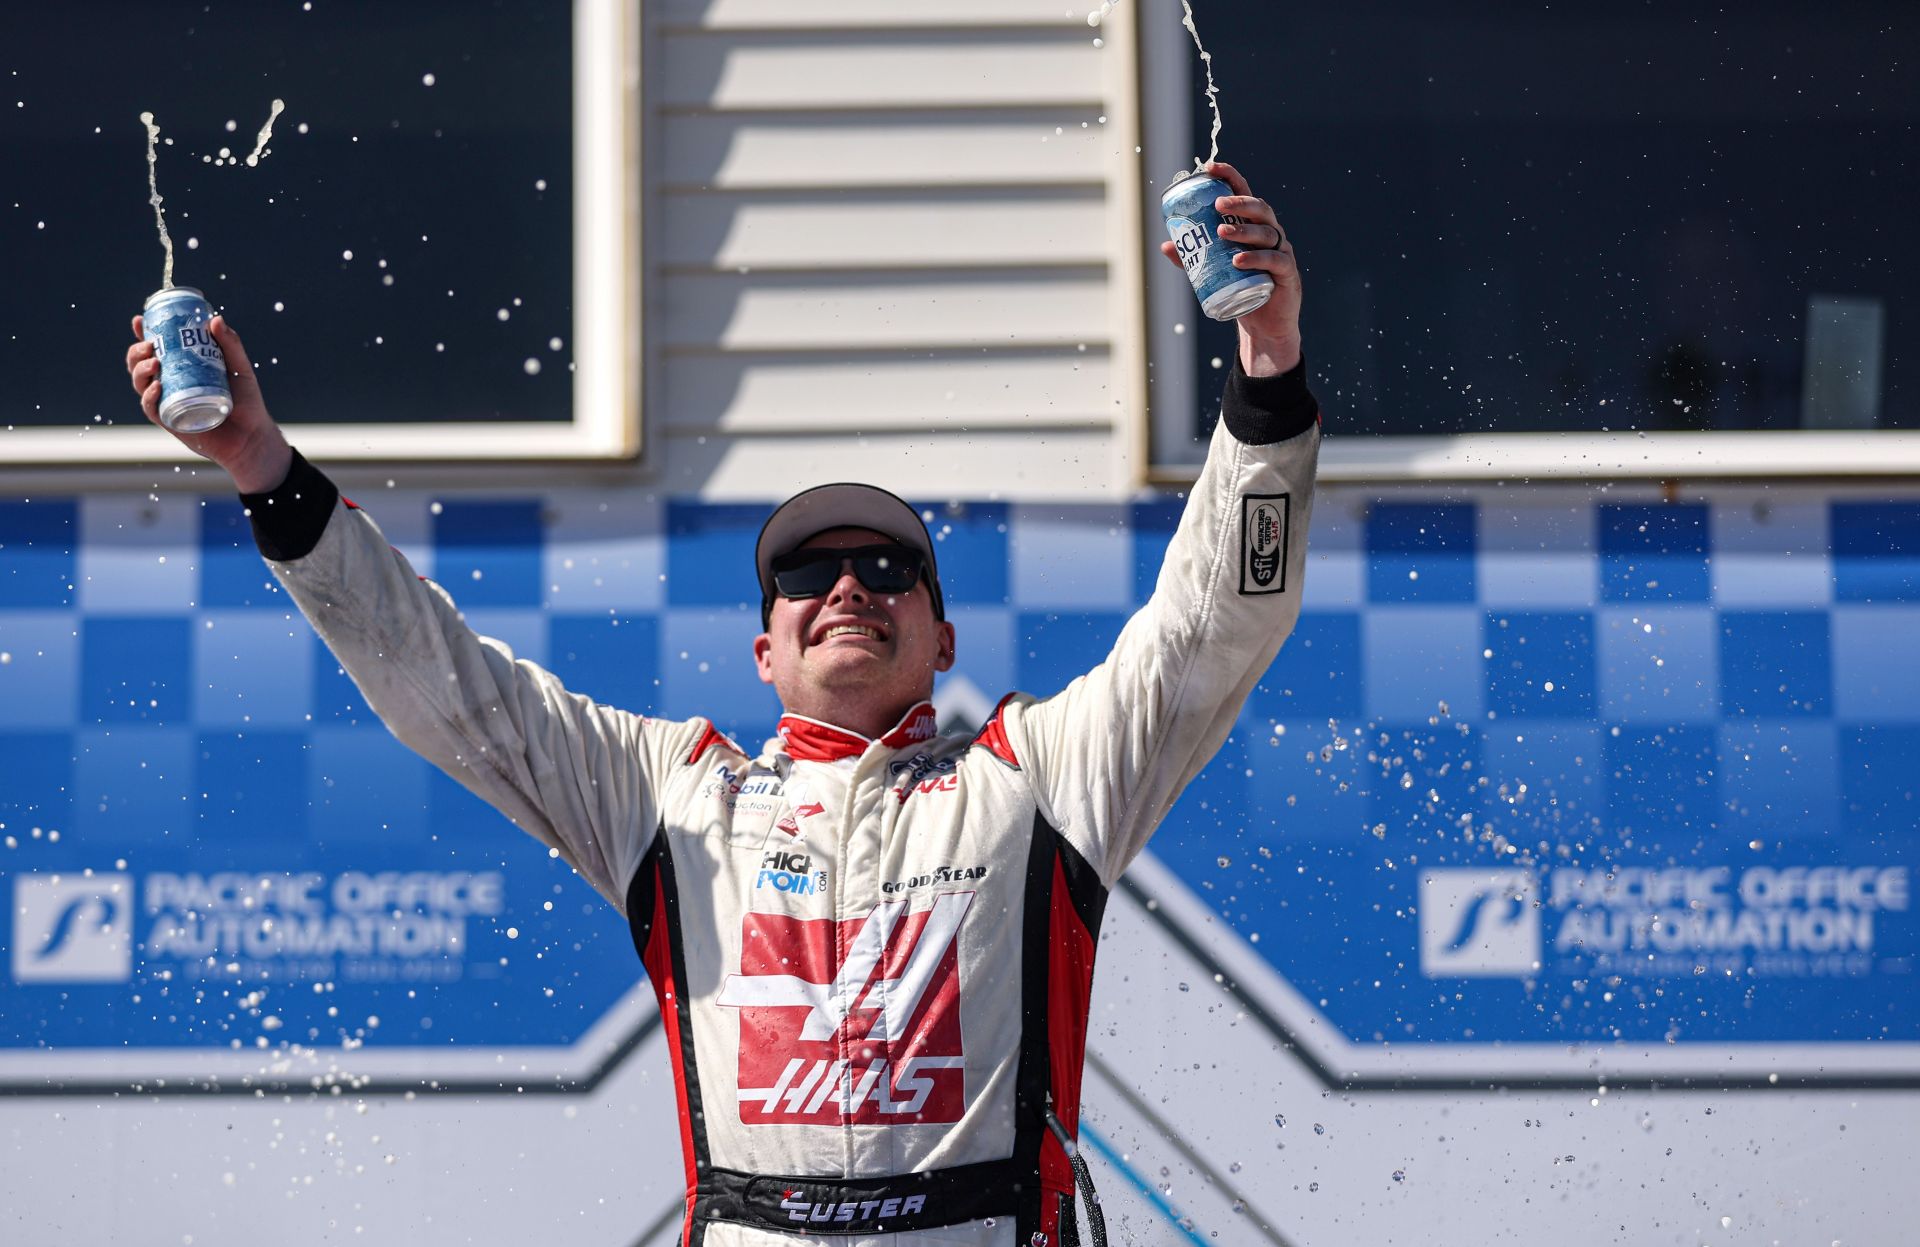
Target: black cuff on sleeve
x,y
1262,410
288,520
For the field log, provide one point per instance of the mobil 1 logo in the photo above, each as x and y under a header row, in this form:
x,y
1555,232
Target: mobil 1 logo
x,y
1264,521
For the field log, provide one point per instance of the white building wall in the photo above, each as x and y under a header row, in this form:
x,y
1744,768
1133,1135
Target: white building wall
x,y
891,241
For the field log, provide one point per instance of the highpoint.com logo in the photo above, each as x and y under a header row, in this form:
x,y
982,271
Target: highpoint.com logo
x,y
1479,923
790,871
72,928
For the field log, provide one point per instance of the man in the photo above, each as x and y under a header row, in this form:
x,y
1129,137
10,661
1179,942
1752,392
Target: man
x,y
872,948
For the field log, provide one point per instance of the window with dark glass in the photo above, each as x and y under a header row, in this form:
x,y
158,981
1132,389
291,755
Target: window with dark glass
x,y
399,256
1672,216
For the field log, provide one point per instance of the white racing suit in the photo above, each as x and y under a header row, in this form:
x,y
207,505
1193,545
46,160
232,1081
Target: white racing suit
x,y
872,957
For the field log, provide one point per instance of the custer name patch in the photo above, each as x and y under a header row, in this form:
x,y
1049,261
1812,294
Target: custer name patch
x,y
1264,520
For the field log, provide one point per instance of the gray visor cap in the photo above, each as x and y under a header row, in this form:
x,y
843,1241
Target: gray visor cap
x,y
842,505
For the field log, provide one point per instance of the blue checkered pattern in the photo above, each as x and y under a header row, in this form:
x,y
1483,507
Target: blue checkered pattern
x,y
1658,665
1607,678
157,682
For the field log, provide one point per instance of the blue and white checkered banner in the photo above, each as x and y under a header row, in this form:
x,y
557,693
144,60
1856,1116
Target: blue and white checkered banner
x,y
1547,783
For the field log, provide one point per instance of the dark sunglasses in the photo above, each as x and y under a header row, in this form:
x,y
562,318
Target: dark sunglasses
x,y
811,573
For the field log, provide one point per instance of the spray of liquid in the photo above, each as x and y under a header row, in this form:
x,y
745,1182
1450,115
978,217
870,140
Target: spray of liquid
x,y
1105,10
153,179
153,195
266,132
1213,92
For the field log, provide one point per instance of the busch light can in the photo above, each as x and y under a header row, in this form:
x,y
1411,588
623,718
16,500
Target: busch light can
x,y
193,373
1193,223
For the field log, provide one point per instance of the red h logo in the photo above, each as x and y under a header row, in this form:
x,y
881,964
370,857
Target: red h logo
x,y
874,1040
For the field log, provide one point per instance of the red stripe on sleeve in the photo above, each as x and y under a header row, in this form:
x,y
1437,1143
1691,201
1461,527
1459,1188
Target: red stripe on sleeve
x,y
658,959
993,737
708,739
1069,1000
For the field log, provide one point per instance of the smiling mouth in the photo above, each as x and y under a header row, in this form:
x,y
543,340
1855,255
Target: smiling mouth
x,y
859,630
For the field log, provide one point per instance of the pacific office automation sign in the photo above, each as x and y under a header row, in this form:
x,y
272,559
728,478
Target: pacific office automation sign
x,y
1801,964
1787,921
92,927
229,975
1760,921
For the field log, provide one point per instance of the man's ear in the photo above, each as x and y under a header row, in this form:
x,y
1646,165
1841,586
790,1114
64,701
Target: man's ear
x,y
763,657
944,661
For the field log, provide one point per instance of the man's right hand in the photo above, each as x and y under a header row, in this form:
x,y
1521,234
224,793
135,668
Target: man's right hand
x,y
248,445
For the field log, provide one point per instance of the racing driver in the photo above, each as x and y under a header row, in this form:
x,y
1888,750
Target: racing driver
x,y
872,945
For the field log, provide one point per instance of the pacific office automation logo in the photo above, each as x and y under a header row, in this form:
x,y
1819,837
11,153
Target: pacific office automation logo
x,y
1479,923
72,928
874,1040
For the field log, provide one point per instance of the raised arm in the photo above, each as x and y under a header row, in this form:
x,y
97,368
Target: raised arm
x,y
1109,754
579,776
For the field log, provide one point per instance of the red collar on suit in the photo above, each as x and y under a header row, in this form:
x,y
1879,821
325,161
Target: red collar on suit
x,y
809,740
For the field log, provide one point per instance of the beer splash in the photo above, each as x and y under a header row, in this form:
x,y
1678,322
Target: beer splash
x,y
266,132
153,195
1206,60
153,178
1213,92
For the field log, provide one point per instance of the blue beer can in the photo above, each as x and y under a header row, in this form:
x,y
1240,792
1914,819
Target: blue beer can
x,y
1193,223
193,373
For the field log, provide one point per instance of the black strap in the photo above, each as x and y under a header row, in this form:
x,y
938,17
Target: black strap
x,y
889,1205
1083,1178
1069,1223
1096,1218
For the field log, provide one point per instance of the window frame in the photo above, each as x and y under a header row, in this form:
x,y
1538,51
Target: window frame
x,y
607,325
1173,459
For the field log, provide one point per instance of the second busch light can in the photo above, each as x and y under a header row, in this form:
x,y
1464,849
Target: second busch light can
x,y
1193,223
193,373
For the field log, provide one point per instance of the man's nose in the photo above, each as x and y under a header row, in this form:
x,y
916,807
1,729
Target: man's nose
x,y
848,587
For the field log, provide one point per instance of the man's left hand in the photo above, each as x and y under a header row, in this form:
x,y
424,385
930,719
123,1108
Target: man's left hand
x,y
1270,334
